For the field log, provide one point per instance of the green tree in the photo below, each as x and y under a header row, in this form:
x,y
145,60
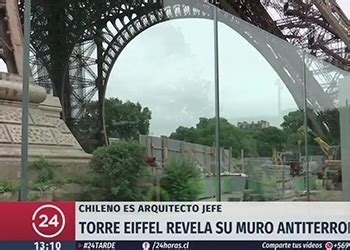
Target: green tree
x,y
120,170
153,193
250,145
230,136
293,121
330,119
269,139
182,180
185,134
327,120
124,120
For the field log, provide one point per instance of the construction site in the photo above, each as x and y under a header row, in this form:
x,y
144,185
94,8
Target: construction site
x,y
82,138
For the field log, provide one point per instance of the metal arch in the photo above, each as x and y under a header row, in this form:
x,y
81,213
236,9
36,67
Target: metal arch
x,y
323,38
142,22
83,17
78,21
274,51
148,16
318,40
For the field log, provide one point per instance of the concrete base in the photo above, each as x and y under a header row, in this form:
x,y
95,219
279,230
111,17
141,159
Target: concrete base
x,y
48,136
64,169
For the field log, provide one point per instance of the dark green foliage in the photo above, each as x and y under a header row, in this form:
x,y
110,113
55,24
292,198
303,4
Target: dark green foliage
x,y
185,134
328,120
331,119
230,136
124,120
258,142
293,121
6,186
261,142
119,169
44,175
45,170
269,139
153,194
182,180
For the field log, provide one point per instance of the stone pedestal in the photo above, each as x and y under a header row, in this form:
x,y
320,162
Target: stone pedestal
x,y
48,134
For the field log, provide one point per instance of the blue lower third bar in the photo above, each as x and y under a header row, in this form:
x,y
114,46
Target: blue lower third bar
x,y
210,245
38,245
175,245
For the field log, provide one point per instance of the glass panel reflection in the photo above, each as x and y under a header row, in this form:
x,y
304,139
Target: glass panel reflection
x,y
168,69
261,104
345,135
268,88
327,126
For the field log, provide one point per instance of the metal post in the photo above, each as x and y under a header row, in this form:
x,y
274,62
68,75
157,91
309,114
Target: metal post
x,y
344,121
158,182
217,103
101,134
25,102
242,160
283,181
305,133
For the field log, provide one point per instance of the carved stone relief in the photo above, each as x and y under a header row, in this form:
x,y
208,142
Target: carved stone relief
x,y
36,135
40,119
4,136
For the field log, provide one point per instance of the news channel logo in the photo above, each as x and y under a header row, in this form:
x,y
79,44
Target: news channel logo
x,y
48,221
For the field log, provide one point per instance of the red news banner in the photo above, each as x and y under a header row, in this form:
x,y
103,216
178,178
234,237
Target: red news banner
x,y
37,221
225,225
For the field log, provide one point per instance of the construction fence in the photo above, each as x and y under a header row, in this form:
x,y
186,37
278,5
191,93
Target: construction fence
x,y
257,178
271,181
165,149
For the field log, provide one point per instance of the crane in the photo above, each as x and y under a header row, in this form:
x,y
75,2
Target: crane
x,y
330,151
331,173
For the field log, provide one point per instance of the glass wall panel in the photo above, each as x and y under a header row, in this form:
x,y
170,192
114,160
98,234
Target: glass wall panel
x,y
152,73
142,71
168,69
327,127
344,120
261,110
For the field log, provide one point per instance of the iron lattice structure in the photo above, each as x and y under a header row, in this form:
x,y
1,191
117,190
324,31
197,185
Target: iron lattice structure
x,y
75,43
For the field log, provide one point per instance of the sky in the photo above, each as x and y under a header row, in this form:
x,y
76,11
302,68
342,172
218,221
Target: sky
x,y
170,69
345,5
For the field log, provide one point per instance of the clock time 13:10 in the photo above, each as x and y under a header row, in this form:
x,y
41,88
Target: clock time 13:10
x,y
42,245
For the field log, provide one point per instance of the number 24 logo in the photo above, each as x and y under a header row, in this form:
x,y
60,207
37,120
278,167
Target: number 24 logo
x,y
46,222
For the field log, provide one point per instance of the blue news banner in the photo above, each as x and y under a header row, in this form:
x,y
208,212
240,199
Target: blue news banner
x,y
146,226
195,245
